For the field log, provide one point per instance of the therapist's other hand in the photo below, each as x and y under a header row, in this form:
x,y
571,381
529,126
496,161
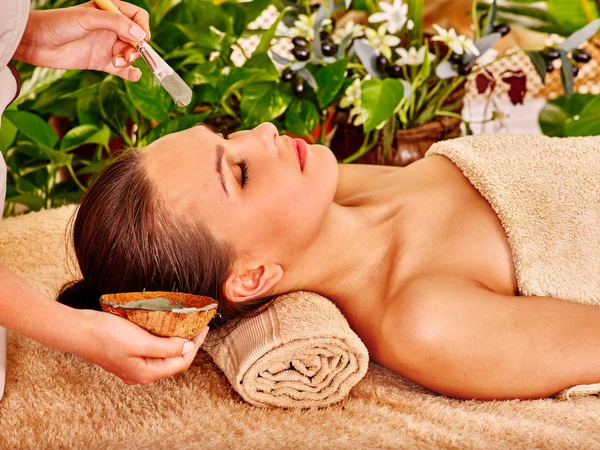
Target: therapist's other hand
x,y
131,353
85,37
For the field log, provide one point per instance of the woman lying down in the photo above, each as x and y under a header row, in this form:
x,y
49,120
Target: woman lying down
x,y
416,258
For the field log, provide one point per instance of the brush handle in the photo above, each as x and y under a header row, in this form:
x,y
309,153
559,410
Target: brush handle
x,y
107,5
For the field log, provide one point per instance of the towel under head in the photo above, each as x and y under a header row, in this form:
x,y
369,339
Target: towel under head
x,y
298,353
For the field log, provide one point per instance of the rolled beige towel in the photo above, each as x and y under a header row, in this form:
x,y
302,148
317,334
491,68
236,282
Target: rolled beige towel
x,y
298,353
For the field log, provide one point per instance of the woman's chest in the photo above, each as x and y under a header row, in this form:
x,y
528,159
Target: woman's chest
x,y
448,227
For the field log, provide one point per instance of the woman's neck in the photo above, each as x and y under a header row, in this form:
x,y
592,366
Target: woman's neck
x,y
352,256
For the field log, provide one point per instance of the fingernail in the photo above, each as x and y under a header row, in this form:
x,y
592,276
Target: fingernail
x,y
133,56
119,62
137,74
137,32
205,332
187,347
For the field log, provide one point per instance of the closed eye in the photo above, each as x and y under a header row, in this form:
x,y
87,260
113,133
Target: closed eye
x,y
244,169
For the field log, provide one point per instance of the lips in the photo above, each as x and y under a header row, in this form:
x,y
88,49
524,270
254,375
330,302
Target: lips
x,y
301,150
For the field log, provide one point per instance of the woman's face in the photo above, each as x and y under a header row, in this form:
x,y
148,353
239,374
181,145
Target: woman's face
x,y
249,189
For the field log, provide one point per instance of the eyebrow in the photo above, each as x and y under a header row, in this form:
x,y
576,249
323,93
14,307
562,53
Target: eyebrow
x,y
220,150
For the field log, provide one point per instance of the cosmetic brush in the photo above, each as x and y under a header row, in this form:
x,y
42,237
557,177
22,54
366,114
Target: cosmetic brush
x,y
166,76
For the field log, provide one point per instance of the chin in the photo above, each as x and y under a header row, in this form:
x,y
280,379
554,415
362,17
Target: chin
x,y
325,168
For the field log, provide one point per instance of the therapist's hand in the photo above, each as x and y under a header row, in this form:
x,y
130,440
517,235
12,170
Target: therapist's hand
x,y
130,352
85,37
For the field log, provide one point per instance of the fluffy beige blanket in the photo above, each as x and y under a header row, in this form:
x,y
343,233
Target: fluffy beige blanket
x,y
546,193
56,400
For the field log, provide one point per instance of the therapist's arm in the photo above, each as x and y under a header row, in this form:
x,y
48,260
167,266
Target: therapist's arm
x,y
85,37
113,343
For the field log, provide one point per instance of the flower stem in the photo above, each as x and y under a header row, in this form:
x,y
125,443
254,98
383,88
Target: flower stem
x,y
368,143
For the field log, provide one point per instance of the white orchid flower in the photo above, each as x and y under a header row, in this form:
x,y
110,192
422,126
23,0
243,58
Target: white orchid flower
x,y
355,30
380,41
487,58
395,15
458,44
358,114
305,26
352,94
412,56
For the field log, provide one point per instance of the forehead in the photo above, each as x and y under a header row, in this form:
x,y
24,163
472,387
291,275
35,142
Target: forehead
x,y
182,166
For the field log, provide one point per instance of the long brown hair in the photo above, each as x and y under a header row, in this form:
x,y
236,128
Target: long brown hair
x,y
126,240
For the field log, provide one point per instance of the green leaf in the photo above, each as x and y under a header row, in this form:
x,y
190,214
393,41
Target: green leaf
x,y
265,40
262,61
263,102
379,100
160,8
415,13
148,96
329,79
240,77
560,117
586,122
85,134
552,120
566,74
539,62
235,19
51,102
88,111
33,202
34,127
172,126
206,38
569,14
8,132
491,18
57,159
41,79
254,8
302,117
205,73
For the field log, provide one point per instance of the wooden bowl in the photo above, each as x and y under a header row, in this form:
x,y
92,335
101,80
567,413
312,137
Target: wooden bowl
x,y
162,313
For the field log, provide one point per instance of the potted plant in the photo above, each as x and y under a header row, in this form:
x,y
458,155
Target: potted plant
x,y
401,89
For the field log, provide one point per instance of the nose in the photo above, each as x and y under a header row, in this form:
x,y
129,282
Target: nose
x,y
268,133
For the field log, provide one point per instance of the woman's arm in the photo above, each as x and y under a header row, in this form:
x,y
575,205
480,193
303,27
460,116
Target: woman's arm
x,y
462,340
115,344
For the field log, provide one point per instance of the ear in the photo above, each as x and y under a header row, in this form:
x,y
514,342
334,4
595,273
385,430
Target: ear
x,y
252,283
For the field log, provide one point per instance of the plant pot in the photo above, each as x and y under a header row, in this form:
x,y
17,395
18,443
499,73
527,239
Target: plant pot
x,y
409,146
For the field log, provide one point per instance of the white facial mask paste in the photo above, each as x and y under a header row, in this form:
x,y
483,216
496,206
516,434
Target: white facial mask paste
x,y
160,304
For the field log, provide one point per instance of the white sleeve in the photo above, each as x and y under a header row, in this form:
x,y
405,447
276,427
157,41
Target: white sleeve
x,y
3,342
13,19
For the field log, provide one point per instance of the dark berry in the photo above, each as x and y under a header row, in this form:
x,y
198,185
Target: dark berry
x,y
299,41
464,69
552,54
287,74
395,71
325,36
582,56
301,53
298,86
502,28
455,58
328,48
550,67
381,63
575,70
